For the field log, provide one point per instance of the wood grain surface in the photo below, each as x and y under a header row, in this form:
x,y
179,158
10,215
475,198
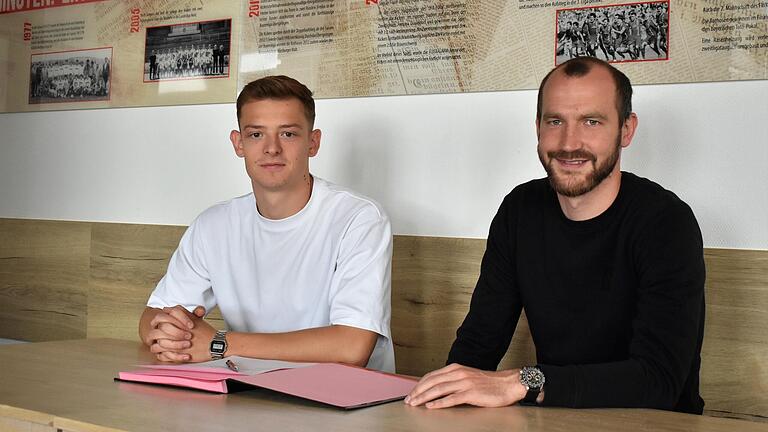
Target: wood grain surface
x,y
126,262
65,280
43,279
734,370
432,284
69,385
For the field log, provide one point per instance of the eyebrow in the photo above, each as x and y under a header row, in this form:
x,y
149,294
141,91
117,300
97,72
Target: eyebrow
x,y
593,115
550,115
282,126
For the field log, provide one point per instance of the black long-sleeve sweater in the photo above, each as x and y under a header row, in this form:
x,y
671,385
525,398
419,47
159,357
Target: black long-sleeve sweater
x,y
615,304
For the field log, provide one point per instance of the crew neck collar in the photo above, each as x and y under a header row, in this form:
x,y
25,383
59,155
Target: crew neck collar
x,y
294,219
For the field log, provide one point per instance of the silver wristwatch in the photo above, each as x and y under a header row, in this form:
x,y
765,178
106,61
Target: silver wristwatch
x,y
533,379
219,345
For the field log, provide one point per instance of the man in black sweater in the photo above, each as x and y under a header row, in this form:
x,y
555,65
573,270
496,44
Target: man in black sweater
x,y
608,266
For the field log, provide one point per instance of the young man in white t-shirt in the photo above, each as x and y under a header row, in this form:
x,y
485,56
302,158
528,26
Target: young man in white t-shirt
x,y
300,268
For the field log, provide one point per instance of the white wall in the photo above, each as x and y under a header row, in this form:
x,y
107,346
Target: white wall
x,y
440,164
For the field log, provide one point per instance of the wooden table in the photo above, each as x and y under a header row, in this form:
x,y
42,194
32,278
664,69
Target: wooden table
x,y
68,386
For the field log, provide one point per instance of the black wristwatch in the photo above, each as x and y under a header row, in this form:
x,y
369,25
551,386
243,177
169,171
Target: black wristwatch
x,y
533,379
219,345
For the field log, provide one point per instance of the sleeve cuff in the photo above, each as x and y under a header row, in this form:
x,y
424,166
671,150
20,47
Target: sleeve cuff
x,y
559,386
369,325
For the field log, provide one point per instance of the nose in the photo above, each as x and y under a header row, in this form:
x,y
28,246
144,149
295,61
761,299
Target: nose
x,y
272,146
571,139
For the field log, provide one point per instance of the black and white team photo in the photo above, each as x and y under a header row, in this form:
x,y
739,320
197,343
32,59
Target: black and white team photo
x,y
188,51
618,33
70,76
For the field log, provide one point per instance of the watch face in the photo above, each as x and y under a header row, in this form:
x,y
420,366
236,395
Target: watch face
x,y
217,347
532,377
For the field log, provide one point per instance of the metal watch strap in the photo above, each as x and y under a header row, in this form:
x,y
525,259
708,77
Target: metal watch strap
x,y
219,340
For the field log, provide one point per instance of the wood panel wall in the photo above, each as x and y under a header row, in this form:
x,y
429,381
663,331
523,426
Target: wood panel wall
x,y
44,268
65,280
432,283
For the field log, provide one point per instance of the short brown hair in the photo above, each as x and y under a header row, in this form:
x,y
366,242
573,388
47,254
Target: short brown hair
x,y
580,66
278,87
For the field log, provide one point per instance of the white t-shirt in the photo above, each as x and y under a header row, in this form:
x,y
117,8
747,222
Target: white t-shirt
x,y
327,264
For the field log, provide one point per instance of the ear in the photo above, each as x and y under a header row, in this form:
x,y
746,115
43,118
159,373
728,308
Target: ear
x,y
237,142
538,120
314,142
628,130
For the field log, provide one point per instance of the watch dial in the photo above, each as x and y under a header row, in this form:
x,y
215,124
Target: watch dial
x,y
532,377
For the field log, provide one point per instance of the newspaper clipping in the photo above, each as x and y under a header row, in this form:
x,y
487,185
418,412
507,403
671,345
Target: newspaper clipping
x,y
64,54
395,47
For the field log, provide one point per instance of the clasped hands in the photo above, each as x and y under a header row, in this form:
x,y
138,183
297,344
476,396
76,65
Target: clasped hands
x,y
178,335
456,384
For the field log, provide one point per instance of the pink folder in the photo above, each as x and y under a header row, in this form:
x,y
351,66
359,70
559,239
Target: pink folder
x,y
329,383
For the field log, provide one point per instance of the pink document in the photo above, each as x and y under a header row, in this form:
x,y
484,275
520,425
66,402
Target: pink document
x,y
218,385
336,384
329,383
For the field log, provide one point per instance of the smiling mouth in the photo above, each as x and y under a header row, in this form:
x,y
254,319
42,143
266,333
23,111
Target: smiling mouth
x,y
573,162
